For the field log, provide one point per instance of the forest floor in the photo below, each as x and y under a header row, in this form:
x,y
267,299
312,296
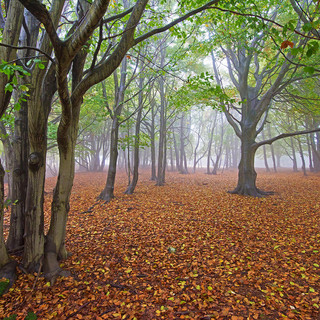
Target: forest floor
x,y
188,250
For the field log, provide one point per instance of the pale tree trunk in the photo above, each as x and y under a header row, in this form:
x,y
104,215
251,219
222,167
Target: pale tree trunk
x,y
265,157
235,151
8,154
135,175
152,143
161,152
272,150
176,151
309,154
210,143
302,157
108,192
294,157
182,168
219,153
300,150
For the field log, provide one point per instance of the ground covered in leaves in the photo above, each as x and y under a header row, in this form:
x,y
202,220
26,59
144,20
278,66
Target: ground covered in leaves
x,y
188,250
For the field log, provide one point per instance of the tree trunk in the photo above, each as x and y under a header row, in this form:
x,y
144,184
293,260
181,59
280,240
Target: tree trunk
x,y
135,175
161,153
176,151
4,258
272,151
265,157
294,157
309,154
66,137
7,266
247,175
153,150
19,179
34,216
8,154
210,144
108,192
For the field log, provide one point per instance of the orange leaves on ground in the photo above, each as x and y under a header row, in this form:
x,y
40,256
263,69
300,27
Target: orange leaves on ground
x,y
187,250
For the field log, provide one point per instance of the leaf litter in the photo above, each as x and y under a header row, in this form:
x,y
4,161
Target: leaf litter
x,y
187,250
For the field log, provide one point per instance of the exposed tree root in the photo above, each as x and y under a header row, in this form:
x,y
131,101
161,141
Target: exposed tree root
x,y
129,190
8,271
51,266
106,197
251,191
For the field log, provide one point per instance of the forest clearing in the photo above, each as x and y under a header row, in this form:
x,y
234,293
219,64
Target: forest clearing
x,y
186,250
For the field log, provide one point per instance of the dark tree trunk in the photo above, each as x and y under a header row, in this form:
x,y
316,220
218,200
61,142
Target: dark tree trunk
x,y
4,258
19,179
247,175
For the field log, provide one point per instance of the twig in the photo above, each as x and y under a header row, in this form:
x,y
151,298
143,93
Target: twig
x,y
27,47
77,311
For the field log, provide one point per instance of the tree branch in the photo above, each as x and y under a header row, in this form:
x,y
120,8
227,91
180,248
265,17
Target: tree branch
x,y
175,22
264,19
26,48
283,135
40,11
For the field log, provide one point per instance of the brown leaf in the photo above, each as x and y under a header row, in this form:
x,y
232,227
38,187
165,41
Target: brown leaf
x,y
285,44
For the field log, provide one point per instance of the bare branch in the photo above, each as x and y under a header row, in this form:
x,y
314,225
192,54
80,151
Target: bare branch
x,y
175,22
26,48
284,135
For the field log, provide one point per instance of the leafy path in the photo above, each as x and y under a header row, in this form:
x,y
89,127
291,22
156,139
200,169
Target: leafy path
x,y
187,250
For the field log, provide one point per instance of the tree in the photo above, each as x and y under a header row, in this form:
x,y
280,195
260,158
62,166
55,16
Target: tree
x,y
258,72
70,54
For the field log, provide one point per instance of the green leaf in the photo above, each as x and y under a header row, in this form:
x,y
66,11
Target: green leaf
x,y
31,316
8,87
309,70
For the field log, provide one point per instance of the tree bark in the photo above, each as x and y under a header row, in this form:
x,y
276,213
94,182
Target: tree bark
x,y
19,179
135,175
247,175
107,193
4,257
161,152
